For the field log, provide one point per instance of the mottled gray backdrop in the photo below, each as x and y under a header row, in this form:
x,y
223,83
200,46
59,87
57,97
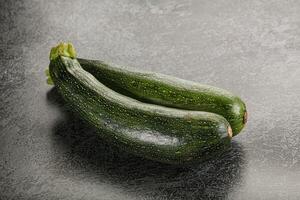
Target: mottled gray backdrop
x,y
249,47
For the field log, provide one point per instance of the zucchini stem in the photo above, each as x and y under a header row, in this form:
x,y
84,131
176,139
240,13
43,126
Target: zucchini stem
x,y
49,79
62,49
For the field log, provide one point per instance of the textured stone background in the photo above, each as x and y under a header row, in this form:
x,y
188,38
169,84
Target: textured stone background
x,y
249,47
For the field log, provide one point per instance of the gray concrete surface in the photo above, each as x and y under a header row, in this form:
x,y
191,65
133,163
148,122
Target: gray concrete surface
x,y
249,47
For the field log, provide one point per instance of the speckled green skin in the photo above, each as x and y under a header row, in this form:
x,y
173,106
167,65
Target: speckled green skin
x,y
170,91
155,132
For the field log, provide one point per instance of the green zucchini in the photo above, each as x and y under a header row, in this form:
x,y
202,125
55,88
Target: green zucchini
x,y
155,132
169,91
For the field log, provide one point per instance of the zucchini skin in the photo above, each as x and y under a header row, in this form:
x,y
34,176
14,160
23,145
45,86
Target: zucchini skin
x,y
170,91
155,132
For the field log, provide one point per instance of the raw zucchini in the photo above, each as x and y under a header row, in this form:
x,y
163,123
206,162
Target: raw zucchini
x,y
155,132
169,91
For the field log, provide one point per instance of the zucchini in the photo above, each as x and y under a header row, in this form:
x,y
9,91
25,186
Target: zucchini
x,y
155,132
170,91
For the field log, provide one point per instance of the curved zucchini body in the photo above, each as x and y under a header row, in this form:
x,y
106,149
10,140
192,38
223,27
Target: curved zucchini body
x,y
155,132
170,91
